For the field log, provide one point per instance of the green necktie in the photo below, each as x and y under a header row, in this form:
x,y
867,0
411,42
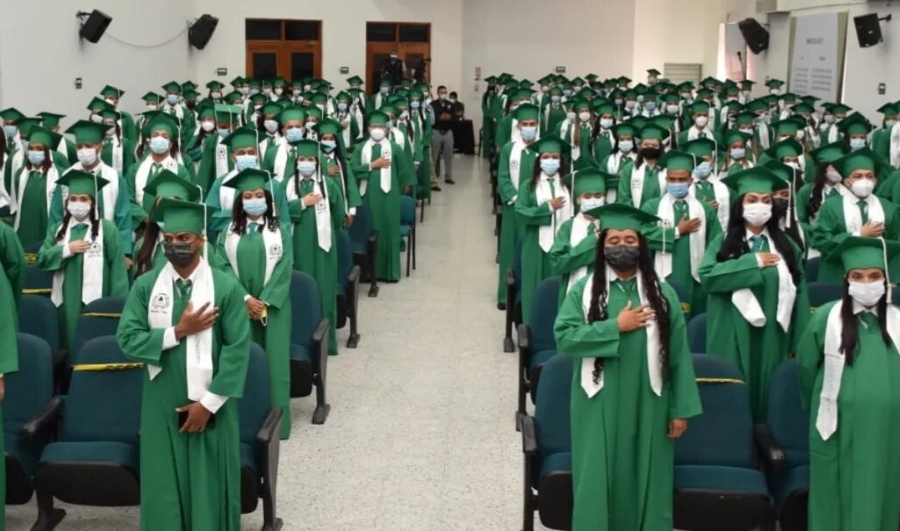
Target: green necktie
x,y
832,192
184,287
868,319
756,243
306,186
864,211
592,229
155,169
552,188
680,210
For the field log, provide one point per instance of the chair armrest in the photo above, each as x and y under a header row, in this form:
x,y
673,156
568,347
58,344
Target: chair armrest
x,y
529,440
320,334
510,281
271,427
320,344
45,420
768,445
524,337
353,277
373,237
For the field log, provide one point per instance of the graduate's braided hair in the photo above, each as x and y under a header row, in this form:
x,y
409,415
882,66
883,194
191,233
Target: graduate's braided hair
x,y
95,223
655,298
239,217
850,330
815,195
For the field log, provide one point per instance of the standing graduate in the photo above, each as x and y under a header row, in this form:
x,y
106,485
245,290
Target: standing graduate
x,y
603,140
316,206
700,126
281,160
269,128
183,116
858,213
885,139
33,187
257,248
543,204
633,385
688,227
190,438
333,160
706,186
118,150
753,273
83,252
580,135
736,156
124,121
849,362
646,180
50,121
621,159
381,183
217,158
149,248
421,121
827,183
19,159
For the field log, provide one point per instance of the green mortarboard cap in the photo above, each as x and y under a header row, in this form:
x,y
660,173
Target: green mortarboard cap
x,y
215,85
267,82
863,159
589,180
671,98
803,108
701,147
329,126
40,135
788,147
757,180
11,114
491,79
319,97
188,85
206,109
591,77
652,131
551,144
110,114
602,107
98,105
675,160
26,124
250,180
623,80
253,82
227,113
292,113
377,118
172,87
624,129
774,83
654,72
687,85
190,94
860,252
259,99
666,121
855,124
757,105
49,119
112,92
890,109
579,104
152,97
809,99
710,82
242,138
343,96
271,109
390,110
829,153
163,122
788,97
307,148
527,111
86,132
785,127
733,107
745,118
237,81
82,182
619,216
732,90
640,88
526,83
168,184
385,82
181,216
313,112
704,93
734,135
234,98
355,80
780,169
699,107
279,82
747,84
839,108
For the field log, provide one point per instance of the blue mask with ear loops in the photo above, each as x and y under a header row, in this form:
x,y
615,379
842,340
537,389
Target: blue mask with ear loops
x,y
256,206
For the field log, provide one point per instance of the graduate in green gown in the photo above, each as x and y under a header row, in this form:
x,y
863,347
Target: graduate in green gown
x,y
15,161
33,187
737,156
281,160
257,248
645,181
506,129
881,138
12,280
758,304
827,183
858,213
206,117
216,159
620,160
124,121
514,161
785,132
849,361
633,387
604,140
173,106
190,442
333,160
83,252
380,184
118,150
700,125
689,225
580,135
543,204
316,206
50,121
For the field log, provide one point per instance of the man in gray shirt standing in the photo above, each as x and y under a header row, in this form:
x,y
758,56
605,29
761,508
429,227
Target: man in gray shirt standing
x,y
442,133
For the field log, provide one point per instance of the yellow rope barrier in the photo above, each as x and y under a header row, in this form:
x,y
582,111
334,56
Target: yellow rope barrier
x,y
107,366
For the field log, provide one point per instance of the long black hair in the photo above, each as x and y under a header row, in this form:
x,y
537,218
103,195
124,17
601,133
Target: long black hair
x,y
93,216
340,158
815,195
144,260
850,331
735,245
655,298
536,170
239,217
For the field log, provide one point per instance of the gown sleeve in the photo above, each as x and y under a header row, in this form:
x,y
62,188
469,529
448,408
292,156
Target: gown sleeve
x,y
234,349
530,213
123,217
685,401
730,275
13,261
656,234
578,339
810,353
829,230
353,198
50,257
623,193
360,170
115,262
505,185
564,257
276,292
135,337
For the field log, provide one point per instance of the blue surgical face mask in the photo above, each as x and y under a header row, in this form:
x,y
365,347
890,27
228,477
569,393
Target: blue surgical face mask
x,y
254,91
306,167
159,144
703,170
738,153
36,158
857,143
415,104
625,146
384,90
10,131
567,92
529,133
223,133
172,99
243,162
256,206
390,124
650,106
554,98
640,97
550,166
677,190
342,107
889,124
328,145
590,203
618,102
294,134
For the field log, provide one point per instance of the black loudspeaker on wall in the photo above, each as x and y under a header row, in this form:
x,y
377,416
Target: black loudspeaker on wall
x,y
202,30
94,26
755,35
868,29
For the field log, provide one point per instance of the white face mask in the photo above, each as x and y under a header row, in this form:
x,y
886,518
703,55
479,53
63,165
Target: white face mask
x,y
862,188
570,116
584,116
377,134
866,293
87,156
590,203
758,214
270,125
701,121
79,209
833,176
207,126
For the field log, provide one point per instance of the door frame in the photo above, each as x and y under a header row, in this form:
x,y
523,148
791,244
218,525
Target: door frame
x,y
283,49
373,48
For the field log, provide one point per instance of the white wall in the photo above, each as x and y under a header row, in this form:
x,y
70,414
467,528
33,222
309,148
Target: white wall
x,y
41,53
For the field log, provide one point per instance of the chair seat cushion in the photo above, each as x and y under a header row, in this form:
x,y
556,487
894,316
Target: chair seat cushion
x,y
540,358
720,478
404,230
300,352
248,457
93,452
558,462
796,479
359,248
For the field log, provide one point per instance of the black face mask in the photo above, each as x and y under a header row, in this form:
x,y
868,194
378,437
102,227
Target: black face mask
x,y
779,208
622,257
651,153
178,254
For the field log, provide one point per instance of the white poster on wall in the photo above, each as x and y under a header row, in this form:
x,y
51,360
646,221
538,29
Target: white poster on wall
x,y
817,55
735,53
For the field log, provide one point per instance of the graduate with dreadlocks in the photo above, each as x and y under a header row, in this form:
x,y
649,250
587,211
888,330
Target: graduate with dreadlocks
x,y
624,328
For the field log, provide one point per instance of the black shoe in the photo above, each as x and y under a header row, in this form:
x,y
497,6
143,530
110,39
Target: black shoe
x,y
435,188
501,306
449,181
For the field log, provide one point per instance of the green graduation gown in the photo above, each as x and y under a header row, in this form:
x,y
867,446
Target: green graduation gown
x,y
275,336
347,184
603,146
34,214
650,186
567,258
556,114
206,171
510,232
757,351
855,474
106,154
622,457
140,210
189,481
12,262
309,257
585,157
384,207
115,276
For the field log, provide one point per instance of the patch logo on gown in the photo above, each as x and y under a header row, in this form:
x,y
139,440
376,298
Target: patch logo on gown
x,y
275,252
160,303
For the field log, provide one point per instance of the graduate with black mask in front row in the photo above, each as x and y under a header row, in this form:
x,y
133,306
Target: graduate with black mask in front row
x,y
187,322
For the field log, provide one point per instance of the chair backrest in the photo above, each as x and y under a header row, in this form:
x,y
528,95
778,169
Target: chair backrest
x,y
344,256
723,434
104,400
99,318
361,227
812,270
407,210
29,388
31,251
786,416
517,268
696,332
37,281
305,307
39,317
543,315
551,412
254,406
823,292
683,297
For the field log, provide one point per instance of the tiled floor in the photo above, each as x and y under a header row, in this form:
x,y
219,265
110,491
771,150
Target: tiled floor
x,y
421,434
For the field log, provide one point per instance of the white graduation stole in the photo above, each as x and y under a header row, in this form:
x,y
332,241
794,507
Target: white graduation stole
x,y
51,177
226,193
544,192
384,173
694,133
221,157
654,369
280,165
333,159
91,267
894,146
697,240
748,305
199,360
515,161
827,414
578,233
852,215
115,147
722,195
323,211
637,183
142,176
271,243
